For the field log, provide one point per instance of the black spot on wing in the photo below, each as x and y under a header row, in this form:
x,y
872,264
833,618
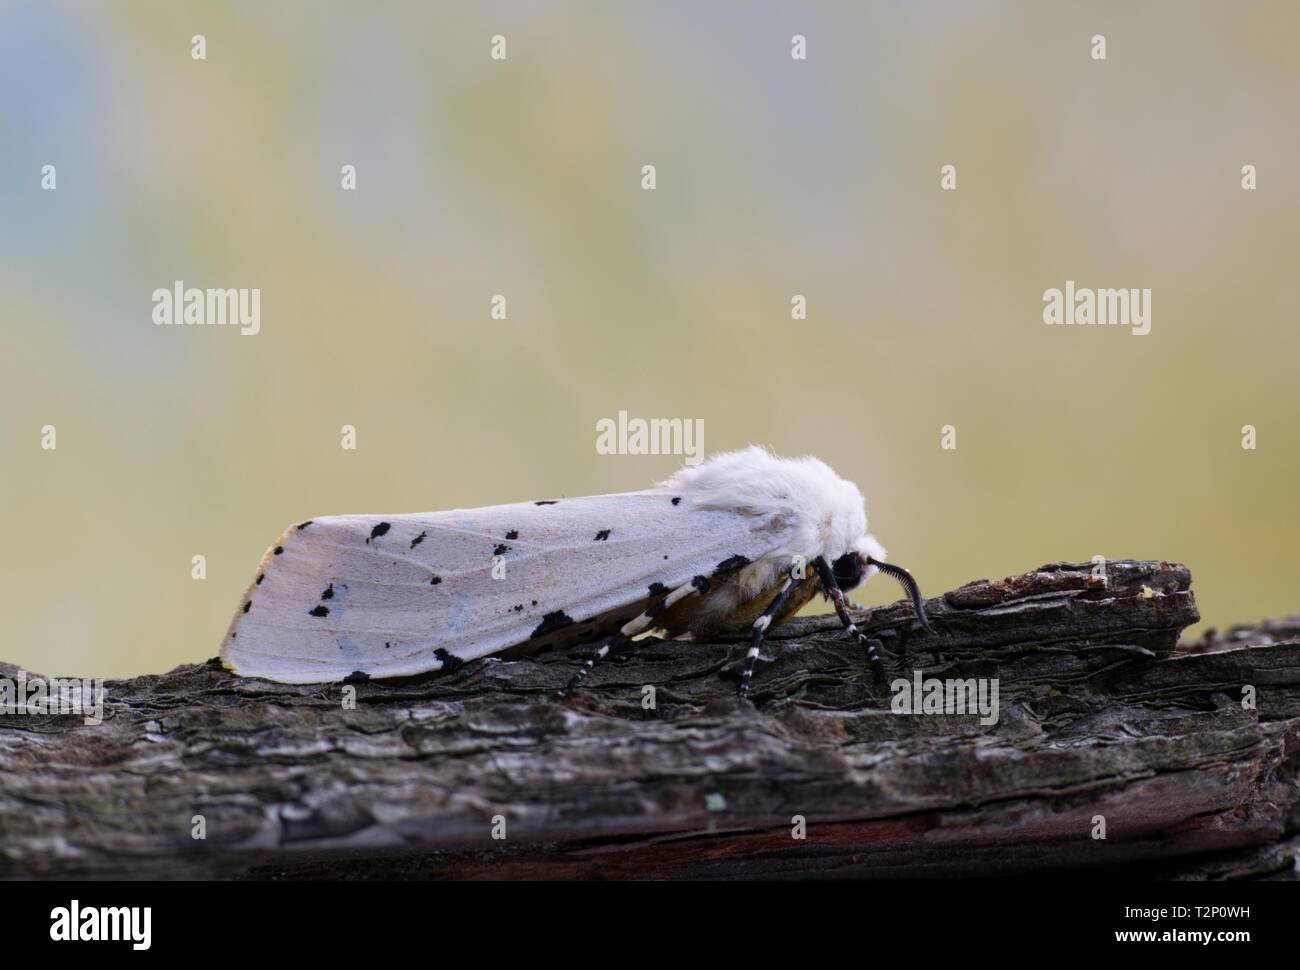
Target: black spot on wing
x,y
549,501
248,606
303,525
380,530
518,607
550,623
418,539
601,536
278,550
260,577
658,589
731,564
449,660
512,534
501,550
435,581
356,677
677,500
328,592
319,611
701,584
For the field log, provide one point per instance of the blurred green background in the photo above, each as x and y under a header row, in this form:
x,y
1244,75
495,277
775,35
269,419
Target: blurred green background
x,y
522,177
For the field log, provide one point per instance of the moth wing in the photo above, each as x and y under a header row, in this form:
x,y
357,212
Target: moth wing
x,y
399,595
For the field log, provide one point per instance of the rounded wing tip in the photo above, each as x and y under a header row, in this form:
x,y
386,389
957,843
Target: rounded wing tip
x,y
226,660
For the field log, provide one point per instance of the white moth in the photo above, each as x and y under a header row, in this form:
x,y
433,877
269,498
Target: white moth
x,y
740,542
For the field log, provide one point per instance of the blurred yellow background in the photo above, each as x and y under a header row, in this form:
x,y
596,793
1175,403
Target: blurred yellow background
x,y
522,177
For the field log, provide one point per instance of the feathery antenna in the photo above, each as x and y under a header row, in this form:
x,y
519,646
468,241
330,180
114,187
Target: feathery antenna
x,y
908,583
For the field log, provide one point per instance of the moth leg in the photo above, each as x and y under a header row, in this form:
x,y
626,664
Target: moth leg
x,y
629,630
760,628
617,640
832,588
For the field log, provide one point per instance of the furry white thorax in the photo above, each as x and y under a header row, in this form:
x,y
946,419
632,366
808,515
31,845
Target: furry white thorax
x,y
821,513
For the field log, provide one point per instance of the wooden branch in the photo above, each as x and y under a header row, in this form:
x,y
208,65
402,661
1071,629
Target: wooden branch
x,y
1099,716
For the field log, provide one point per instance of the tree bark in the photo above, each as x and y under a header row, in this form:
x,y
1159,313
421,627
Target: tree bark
x,y
1188,757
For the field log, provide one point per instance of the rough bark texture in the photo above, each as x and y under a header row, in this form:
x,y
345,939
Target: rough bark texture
x,y
1100,715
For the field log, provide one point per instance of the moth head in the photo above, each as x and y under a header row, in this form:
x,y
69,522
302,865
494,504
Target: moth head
x,y
857,565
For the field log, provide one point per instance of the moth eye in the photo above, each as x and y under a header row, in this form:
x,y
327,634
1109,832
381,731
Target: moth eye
x,y
848,570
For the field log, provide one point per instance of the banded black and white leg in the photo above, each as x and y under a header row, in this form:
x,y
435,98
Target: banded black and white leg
x,y
631,629
759,631
871,645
